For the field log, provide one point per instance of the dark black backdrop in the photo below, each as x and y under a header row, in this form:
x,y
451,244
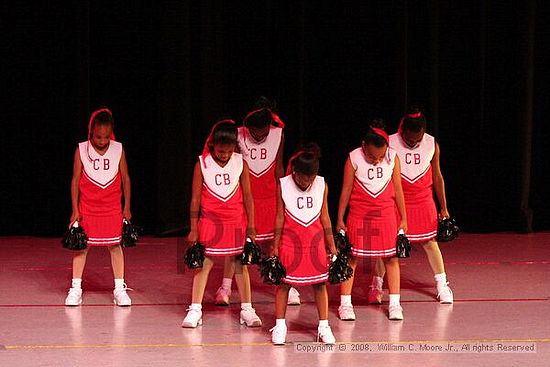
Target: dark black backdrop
x,y
169,69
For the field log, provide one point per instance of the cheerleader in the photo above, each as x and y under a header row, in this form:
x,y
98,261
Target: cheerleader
x,y
261,141
303,239
100,182
372,188
421,177
221,194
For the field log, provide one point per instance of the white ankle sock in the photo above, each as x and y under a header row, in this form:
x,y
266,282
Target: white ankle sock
x,y
119,283
345,300
196,306
280,322
226,283
377,282
323,323
441,277
246,306
440,280
395,299
76,283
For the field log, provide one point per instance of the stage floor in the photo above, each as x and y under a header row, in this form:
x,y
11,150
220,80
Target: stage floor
x,y
501,284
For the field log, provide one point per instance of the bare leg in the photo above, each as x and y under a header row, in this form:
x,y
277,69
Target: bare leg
x,y
117,261
346,287
243,280
324,333
444,293
79,261
379,269
200,279
321,300
394,275
229,267
281,299
434,256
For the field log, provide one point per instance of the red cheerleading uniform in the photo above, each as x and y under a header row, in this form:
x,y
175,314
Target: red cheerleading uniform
x,y
417,182
372,220
302,249
100,196
222,221
262,162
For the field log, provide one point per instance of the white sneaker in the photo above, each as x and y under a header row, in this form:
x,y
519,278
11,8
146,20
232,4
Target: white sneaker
x,y
293,297
74,298
121,297
222,296
445,295
346,313
193,318
249,317
395,312
278,334
324,335
375,295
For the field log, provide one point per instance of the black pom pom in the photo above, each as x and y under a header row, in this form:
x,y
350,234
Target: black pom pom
x,y
75,238
342,243
130,234
339,270
272,271
447,230
252,253
403,246
194,256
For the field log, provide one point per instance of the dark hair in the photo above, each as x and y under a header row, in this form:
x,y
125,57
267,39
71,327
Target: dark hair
x,y
264,102
306,160
414,120
225,132
371,137
103,118
100,117
259,118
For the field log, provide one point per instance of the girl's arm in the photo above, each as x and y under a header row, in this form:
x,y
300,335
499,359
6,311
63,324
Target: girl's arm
x,y
439,184
126,186
279,222
195,206
399,199
279,169
327,226
248,202
347,185
75,189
